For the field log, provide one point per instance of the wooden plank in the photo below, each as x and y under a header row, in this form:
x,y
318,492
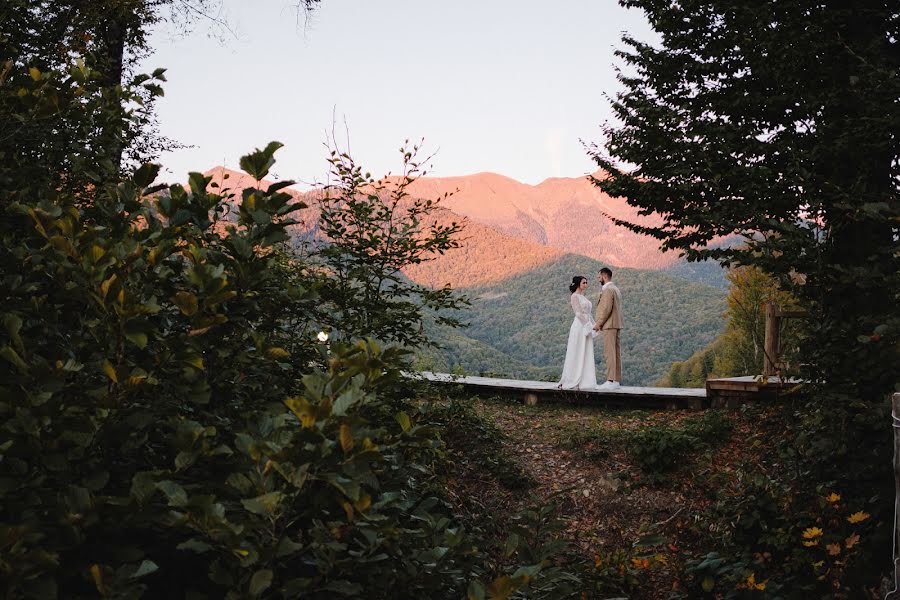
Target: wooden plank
x,y
551,387
771,343
630,397
748,382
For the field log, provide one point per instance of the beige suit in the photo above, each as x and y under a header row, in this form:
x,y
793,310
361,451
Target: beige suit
x,y
609,320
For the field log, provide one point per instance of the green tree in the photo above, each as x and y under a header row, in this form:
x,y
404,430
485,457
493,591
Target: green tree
x,y
110,36
166,431
779,123
742,345
372,230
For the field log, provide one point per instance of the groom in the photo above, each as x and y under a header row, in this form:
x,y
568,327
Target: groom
x,y
609,320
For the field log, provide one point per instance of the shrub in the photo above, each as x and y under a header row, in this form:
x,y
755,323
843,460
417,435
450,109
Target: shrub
x,y
166,431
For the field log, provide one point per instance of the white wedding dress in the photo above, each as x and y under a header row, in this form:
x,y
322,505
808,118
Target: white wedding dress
x,y
579,371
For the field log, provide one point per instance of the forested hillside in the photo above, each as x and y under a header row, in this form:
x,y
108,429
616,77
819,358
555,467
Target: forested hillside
x,y
518,326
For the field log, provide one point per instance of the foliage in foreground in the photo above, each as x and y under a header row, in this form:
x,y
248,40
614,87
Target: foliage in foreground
x,y
166,432
798,156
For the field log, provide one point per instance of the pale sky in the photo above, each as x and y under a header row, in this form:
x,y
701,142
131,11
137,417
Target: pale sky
x,y
507,86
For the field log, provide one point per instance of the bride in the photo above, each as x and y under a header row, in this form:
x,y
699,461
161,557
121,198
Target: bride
x,y
578,371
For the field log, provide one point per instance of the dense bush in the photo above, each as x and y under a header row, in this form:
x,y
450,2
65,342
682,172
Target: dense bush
x,y
172,426
776,531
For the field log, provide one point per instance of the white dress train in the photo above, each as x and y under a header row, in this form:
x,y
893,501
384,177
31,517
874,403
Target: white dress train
x,y
579,371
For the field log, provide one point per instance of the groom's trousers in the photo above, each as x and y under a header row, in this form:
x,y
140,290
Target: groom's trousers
x,y
613,354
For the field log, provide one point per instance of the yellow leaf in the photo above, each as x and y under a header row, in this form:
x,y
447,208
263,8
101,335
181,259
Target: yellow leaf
x,y
858,517
135,380
104,287
277,353
186,303
833,549
110,371
403,420
501,588
833,497
348,508
35,73
97,575
346,437
812,543
364,502
97,252
200,331
812,532
303,410
195,361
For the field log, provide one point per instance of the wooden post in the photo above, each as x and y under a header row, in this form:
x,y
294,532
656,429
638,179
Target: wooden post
x,y
895,419
770,348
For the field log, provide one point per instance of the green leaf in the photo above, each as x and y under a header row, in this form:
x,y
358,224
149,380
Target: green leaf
x,y
13,325
174,492
345,588
147,567
286,547
146,175
143,484
258,162
649,541
527,573
264,505
194,545
185,459
13,357
279,186
260,581
345,401
512,542
708,584
475,590
403,419
138,338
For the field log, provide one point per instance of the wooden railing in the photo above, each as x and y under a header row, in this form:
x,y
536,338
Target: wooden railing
x,y
772,346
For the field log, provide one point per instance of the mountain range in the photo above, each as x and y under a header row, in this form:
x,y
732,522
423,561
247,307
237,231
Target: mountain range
x,y
521,246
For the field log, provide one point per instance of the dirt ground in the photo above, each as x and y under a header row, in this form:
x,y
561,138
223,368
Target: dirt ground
x,y
608,504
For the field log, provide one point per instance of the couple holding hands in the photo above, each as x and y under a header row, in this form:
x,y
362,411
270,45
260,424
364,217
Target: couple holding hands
x,y
579,371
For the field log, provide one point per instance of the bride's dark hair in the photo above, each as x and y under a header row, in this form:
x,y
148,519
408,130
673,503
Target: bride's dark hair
x,y
576,281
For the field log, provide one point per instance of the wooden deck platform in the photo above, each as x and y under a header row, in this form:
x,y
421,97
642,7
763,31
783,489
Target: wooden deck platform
x,y
733,391
533,391
729,392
